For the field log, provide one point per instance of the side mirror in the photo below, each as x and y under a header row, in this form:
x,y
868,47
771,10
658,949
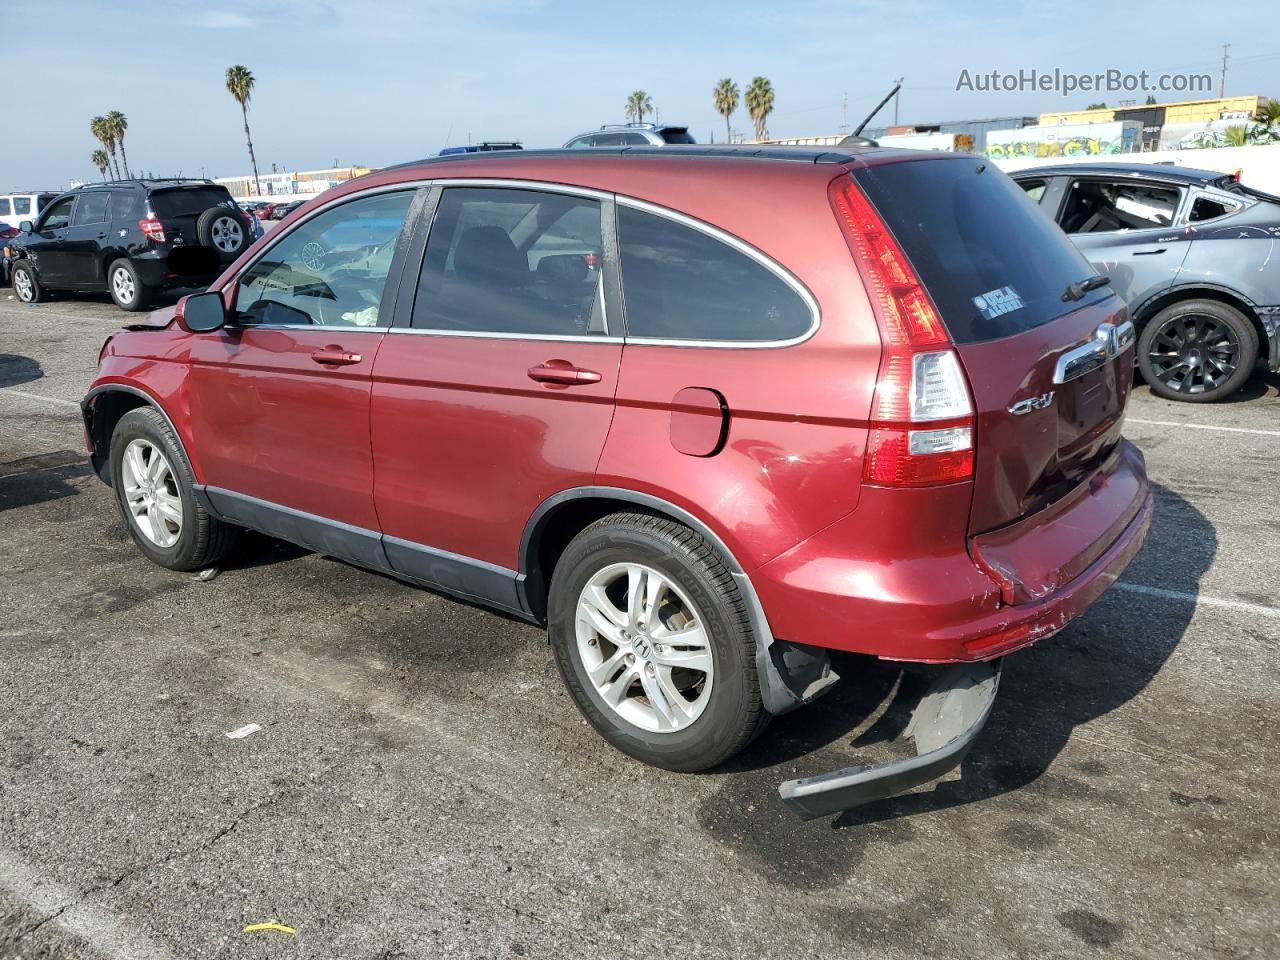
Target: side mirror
x,y
203,312
25,226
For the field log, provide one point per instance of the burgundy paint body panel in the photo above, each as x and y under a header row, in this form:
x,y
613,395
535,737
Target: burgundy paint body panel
x,y
272,423
466,445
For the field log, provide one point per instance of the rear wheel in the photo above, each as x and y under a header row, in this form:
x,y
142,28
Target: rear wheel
x,y
127,288
26,285
1197,351
654,642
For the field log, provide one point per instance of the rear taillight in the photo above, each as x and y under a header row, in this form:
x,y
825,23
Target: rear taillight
x,y
920,379
153,228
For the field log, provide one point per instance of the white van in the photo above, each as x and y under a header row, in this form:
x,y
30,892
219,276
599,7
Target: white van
x,y
16,207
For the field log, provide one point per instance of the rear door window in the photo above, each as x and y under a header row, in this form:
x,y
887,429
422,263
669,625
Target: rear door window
x,y
992,262
92,207
512,262
1101,206
681,283
4,207
22,205
188,201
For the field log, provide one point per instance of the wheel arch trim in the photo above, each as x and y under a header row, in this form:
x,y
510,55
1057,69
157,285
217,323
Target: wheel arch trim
x,y
148,399
1268,339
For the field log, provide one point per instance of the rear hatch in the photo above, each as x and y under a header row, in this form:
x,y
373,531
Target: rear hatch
x,y
999,271
178,209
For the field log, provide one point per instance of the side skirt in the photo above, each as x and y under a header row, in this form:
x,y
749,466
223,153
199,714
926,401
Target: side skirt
x,y
463,577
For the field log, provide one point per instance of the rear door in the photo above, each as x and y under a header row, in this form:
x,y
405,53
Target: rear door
x,y
1126,228
1050,373
495,389
86,237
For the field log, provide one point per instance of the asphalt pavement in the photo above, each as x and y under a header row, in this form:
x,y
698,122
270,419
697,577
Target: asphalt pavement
x,y
422,786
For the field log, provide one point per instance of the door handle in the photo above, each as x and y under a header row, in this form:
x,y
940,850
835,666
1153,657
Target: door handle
x,y
562,373
1147,253
333,355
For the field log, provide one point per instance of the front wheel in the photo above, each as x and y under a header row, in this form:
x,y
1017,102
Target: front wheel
x,y
1197,351
654,643
154,489
26,285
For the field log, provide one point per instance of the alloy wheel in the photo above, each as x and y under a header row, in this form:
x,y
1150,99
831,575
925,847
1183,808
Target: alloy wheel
x,y
226,234
645,647
151,493
23,284
122,285
1194,353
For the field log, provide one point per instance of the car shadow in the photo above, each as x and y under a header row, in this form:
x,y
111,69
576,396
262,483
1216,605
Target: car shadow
x,y
1093,667
41,478
16,369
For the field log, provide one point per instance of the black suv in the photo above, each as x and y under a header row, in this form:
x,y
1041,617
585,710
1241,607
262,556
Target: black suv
x,y
131,238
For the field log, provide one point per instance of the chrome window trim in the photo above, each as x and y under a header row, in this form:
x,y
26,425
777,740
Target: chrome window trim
x,y
311,326
534,185
773,266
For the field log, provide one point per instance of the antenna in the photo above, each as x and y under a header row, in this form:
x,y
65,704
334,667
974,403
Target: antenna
x,y
879,106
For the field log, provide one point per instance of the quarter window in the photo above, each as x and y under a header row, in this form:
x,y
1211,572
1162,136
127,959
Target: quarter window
x,y
331,270
1033,189
682,284
92,207
512,262
1209,208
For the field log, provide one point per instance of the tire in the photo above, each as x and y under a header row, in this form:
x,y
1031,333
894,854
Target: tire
x,y
126,287
26,284
1197,351
721,711
198,540
226,230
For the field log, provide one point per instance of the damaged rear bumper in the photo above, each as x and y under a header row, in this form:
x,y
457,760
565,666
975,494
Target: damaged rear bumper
x,y
944,727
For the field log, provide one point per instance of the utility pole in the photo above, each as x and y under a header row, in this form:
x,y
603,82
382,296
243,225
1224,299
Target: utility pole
x,y
896,94
1222,89
844,114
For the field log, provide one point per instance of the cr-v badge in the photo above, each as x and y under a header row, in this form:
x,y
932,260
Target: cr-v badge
x,y
1032,403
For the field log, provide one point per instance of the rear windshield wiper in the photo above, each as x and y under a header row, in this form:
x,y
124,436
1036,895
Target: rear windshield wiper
x,y
1077,290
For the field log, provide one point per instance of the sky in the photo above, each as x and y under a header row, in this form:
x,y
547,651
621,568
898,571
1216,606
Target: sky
x,y
385,82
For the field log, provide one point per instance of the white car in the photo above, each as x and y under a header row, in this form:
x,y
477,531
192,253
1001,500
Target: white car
x,y
16,207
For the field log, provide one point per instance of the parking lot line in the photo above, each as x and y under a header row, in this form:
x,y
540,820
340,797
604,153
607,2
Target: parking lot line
x,y
1203,426
1199,598
36,396
66,908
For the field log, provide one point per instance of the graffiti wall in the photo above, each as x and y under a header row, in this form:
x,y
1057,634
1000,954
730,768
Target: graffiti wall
x,y
1065,140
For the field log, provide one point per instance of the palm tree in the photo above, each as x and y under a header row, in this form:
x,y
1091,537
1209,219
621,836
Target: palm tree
x,y
101,161
118,123
726,97
1237,136
759,101
99,128
240,86
1269,115
638,104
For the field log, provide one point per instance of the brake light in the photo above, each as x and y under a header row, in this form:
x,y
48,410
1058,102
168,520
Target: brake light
x,y
153,228
920,379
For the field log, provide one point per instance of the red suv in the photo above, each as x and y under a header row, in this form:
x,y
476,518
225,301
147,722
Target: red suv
x,y
708,414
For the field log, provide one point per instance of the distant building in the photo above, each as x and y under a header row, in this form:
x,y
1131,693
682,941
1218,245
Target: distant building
x,y
291,182
1170,126
968,135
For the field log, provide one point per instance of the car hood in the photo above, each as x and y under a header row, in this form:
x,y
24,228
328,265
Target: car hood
x,y
155,320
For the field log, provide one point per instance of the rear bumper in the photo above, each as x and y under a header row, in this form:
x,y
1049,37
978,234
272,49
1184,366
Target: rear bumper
x,y
838,590
1270,317
944,727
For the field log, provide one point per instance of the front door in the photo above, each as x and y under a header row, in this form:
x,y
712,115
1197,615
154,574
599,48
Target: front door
x,y
496,389
47,244
280,396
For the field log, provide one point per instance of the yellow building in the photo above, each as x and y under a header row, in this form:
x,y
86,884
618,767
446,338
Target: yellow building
x,y
1180,111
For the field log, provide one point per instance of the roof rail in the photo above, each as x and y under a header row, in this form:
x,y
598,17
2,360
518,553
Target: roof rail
x,y
634,125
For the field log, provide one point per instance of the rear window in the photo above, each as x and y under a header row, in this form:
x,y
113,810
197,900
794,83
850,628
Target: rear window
x,y
181,203
677,135
992,262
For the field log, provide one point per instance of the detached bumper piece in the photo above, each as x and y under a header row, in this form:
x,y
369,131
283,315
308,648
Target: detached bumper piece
x,y
944,726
